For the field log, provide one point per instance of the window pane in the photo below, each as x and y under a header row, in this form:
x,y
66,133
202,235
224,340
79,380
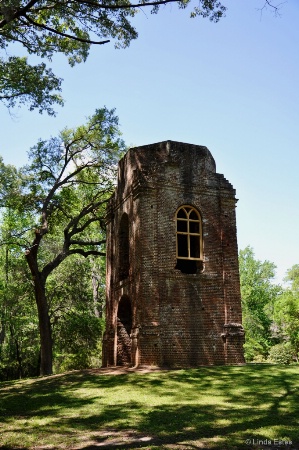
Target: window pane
x,y
182,225
194,247
194,227
182,245
193,215
182,214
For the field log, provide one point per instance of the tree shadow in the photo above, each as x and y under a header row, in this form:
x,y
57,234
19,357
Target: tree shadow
x,y
208,407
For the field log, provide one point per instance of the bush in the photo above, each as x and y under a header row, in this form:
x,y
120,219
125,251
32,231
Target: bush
x,y
281,353
77,341
255,351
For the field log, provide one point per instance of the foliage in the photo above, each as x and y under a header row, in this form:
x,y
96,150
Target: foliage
x,y
258,297
286,312
270,313
209,407
61,196
74,312
44,28
21,83
9,184
281,353
76,327
19,343
292,277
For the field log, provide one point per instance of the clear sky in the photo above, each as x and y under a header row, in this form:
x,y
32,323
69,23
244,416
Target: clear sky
x,y
232,86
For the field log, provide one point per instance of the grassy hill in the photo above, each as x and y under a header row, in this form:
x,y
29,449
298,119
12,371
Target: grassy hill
x,y
231,407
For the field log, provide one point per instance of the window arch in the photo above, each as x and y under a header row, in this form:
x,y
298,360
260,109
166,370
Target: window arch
x,y
188,238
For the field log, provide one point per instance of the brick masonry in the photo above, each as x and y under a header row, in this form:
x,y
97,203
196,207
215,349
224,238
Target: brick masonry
x,y
154,311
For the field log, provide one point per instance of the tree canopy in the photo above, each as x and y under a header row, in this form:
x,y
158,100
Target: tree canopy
x,y
45,27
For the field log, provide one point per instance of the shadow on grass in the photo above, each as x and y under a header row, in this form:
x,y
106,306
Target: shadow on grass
x,y
218,406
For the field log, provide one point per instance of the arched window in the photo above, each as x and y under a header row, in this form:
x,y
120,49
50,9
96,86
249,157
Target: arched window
x,y
188,239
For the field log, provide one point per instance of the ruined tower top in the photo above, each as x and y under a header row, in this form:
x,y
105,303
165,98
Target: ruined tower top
x,y
157,161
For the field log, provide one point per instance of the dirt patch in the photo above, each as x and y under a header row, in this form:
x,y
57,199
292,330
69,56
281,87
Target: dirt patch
x,y
120,370
130,439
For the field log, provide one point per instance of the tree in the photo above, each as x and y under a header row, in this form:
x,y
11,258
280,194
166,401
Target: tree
x,y
65,188
21,83
75,300
45,27
292,277
19,346
258,295
286,312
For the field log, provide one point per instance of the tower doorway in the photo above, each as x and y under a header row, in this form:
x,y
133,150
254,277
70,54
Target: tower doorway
x,y
124,328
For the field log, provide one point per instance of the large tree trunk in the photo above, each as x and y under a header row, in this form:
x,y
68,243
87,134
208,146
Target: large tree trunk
x,y
39,280
44,326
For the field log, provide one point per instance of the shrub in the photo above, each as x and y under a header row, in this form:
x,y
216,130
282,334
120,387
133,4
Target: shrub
x,y
281,353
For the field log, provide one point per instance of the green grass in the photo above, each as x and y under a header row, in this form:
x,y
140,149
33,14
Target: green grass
x,y
208,407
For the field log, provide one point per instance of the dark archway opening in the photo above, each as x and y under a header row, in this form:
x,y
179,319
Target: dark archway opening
x,y
124,328
124,248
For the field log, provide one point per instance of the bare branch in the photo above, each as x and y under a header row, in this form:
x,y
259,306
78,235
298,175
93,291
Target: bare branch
x,y
85,211
48,268
58,184
275,8
80,242
92,183
81,252
76,172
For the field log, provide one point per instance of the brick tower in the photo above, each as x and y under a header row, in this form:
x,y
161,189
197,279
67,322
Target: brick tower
x,y
173,290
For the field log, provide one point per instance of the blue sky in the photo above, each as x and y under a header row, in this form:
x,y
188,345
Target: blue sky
x,y
232,86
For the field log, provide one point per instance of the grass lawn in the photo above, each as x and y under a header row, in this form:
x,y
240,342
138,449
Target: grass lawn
x,y
231,407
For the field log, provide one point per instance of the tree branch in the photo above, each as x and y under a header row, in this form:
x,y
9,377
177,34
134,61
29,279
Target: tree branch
x,y
274,7
16,14
60,33
126,6
64,254
7,97
58,183
74,222
81,252
80,242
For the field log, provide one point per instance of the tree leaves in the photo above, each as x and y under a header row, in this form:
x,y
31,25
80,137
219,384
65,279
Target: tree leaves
x,y
45,27
21,83
64,191
258,295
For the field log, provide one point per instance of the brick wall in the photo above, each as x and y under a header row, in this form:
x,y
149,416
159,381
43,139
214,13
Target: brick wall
x,y
178,319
